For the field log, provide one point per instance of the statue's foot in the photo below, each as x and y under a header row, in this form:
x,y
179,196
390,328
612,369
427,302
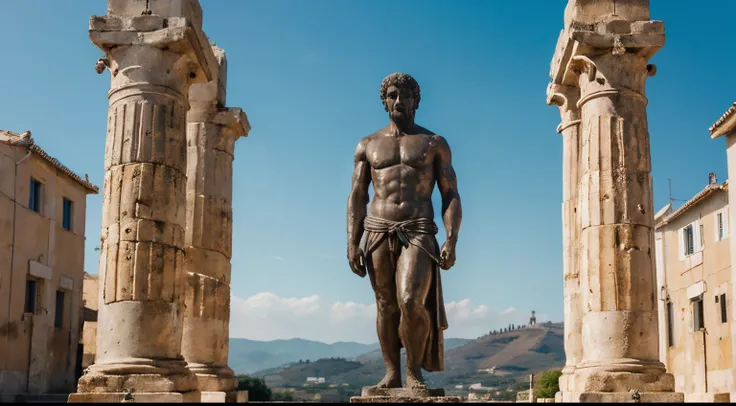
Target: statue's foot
x,y
415,382
391,380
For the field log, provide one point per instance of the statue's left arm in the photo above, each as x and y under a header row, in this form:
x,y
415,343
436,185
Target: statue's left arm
x,y
452,212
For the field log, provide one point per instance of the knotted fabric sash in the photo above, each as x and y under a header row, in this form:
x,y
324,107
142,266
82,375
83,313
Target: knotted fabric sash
x,y
402,232
406,233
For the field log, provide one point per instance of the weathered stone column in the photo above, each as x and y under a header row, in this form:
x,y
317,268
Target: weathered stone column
x,y
566,98
154,50
211,134
604,50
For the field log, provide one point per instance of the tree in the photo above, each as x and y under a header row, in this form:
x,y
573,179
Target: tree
x,y
283,397
548,384
256,387
505,395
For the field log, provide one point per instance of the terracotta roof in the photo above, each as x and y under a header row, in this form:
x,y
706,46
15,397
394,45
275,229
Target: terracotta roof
x,y
700,196
25,140
715,129
662,212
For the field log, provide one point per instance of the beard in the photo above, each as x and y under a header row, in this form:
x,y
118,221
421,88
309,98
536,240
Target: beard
x,y
400,116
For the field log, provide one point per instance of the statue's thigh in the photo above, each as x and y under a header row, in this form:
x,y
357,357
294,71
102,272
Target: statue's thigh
x,y
414,272
381,271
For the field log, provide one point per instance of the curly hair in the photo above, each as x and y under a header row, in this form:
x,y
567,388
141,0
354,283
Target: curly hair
x,y
401,79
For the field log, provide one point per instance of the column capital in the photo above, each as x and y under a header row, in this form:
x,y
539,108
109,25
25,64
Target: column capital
x,y
566,98
177,34
234,120
616,37
562,96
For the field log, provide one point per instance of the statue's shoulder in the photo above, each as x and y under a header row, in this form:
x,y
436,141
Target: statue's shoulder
x,y
430,135
440,145
436,140
423,131
365,141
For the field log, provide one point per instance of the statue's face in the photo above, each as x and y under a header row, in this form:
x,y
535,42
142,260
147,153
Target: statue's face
x,y
400,102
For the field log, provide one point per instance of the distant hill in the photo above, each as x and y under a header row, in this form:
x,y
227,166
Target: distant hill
x,y
513,356
249,356
375,355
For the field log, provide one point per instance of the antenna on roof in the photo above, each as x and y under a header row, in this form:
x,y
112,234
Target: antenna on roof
x,y
672,199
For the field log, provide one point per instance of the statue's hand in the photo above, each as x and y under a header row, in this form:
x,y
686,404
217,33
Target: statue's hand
x,y
447,255
355,258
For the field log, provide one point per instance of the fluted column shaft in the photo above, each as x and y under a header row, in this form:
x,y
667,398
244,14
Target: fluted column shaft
x,y
211,135
616,213
603,51
617,279
141,265
566,98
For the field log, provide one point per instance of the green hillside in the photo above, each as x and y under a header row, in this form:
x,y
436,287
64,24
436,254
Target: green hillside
x,y
512,356
249,356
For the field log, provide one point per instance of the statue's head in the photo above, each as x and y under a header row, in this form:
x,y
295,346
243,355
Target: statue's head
x,y
400,96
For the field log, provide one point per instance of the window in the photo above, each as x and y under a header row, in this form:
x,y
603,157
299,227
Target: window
x,y
702,237
670,325
724,316
698,322
688,240
721,226
67,216
59,316
30,306
36,194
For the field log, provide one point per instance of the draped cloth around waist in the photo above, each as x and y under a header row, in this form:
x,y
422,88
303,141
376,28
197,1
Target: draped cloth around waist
x,y
402,234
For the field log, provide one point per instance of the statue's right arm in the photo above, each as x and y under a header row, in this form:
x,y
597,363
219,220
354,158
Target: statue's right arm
x,y
358,198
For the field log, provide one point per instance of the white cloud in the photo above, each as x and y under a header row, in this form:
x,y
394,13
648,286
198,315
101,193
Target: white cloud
x,y
278,258
508,311
463,310
266,316
351,311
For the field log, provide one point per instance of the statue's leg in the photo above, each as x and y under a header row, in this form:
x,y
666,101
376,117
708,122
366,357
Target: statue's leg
x,y
413,279
383,279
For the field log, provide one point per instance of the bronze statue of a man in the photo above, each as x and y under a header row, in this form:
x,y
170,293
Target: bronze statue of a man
x,y
400,253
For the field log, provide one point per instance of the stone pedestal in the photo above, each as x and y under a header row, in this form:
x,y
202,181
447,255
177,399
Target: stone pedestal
x,y
153,59
121,397
211,135
371,394
631,397
407,399
603,52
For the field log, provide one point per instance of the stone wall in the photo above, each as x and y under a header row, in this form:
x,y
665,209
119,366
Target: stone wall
x,y
89,329
36,356
700,360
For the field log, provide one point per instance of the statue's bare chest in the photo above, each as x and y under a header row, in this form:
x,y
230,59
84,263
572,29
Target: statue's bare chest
x,y
411,150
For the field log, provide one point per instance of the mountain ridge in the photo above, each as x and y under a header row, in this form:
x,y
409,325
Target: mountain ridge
x,y
248,356
493,360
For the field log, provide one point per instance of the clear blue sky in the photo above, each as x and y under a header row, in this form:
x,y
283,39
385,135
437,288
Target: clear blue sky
x,y
308,73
